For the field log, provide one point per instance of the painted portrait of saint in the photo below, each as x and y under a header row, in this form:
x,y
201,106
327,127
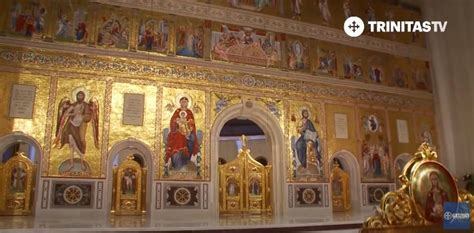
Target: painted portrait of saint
x,y
296,6
346,6
254,187
435,199
153,35
246,45
399,78
353,69
376,74
129,180
72,120
325,12
232,188
18,179
306,145
27,19
297,56
182,142
189,41
114,31
327,61
255,5
71,25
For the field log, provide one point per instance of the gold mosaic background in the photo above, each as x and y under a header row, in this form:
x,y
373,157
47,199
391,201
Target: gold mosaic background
x,y
108,78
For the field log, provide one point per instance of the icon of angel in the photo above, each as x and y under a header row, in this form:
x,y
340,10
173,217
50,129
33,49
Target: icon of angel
x,y
71,128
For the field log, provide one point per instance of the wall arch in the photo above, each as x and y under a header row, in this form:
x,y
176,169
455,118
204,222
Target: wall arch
x,y
19,136
350,165
272,130
133,145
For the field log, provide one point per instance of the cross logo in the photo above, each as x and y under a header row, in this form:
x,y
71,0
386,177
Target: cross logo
x,y
354,26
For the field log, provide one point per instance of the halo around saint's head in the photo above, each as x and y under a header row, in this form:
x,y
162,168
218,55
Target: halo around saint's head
x,y
305,108
190,100
77,90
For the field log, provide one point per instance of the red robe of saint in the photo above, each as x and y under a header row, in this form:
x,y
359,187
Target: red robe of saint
x,y
178,142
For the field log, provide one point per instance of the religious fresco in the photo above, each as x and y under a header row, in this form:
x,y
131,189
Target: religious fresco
x,y
306,139
77,127
153,33
333,13
326,62
113,28
399,77
298,50
353,65
271,7
419,76
27,18
425,129
377,69
190,38
183,131
72,21
245,45
375,152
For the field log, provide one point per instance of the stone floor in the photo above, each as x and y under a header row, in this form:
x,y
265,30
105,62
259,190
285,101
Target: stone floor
x,y
337,222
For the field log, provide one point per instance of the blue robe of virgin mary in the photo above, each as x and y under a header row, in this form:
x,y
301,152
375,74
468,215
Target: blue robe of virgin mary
x,y
301,143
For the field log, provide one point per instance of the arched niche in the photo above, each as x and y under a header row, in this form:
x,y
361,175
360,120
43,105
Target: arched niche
x,y
21,142
271,127
350,164
144,157
32,148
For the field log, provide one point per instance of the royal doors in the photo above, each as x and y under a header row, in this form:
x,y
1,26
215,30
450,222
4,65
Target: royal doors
x,y
129,188
341,197
244,185
17,185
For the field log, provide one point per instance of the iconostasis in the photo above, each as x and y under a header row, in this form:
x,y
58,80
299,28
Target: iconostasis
x,y
103,83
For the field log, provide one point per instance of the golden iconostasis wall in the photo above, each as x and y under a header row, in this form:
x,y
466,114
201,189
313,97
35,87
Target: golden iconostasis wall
x,y
84,23
349,122
372,105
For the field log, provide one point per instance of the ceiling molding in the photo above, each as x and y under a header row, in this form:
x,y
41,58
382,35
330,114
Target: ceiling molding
x,y
272,23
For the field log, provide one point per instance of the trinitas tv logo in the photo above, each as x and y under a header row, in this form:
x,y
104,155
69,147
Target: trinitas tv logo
x,y
354,26
456,216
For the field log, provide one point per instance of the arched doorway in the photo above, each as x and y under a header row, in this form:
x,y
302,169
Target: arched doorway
x,y
141,154
230,141
19,142
270,126
349,164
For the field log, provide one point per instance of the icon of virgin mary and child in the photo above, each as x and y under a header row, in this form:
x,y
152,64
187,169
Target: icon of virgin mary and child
x,y
182,143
